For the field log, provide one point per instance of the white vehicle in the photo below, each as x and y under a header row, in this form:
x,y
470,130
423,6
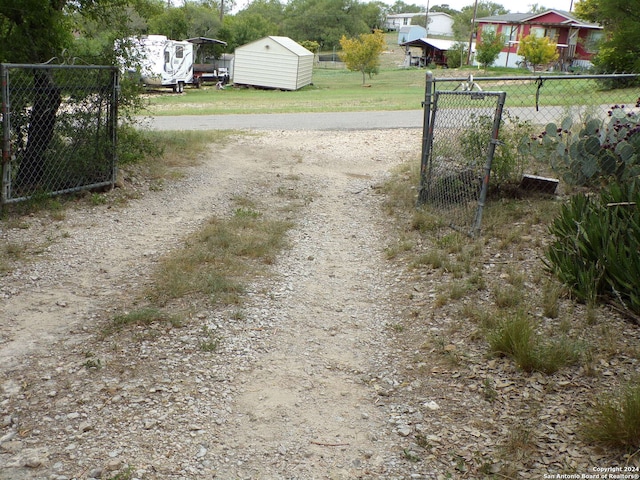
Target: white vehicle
x,y
163,62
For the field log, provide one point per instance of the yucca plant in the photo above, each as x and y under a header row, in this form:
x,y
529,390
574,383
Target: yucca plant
x,y
597,240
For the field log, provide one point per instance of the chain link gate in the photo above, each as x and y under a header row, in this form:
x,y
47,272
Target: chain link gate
x,y
58,129
460,134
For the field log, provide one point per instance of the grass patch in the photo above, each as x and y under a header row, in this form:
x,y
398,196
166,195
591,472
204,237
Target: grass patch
x,y
615,421
215,260
515,337
141,317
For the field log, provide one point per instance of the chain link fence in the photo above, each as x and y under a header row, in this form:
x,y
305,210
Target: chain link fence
x,y
553,135
455,173
58,129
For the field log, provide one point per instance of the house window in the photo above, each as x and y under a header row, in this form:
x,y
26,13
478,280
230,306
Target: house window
x,y
488,28
406,21
593,40
551,33
510,33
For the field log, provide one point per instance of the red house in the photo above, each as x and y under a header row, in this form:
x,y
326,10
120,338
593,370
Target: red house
x,y
576,39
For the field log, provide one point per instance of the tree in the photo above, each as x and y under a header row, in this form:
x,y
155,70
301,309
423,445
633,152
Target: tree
x,y
362,54
324,21
244,28
537,50
35,31
401,7
457,55
490,46
463,21
444,9
620,51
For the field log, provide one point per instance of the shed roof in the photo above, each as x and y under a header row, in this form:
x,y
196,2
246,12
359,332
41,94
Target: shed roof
x,y
286,43
436,43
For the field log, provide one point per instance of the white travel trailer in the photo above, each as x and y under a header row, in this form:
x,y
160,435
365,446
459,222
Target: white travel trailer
x,y
163,62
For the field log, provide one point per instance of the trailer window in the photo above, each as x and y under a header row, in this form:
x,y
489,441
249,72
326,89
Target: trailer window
x,y
179,51
167,58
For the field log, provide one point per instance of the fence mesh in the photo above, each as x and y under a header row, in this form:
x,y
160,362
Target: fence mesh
x,y
556,133
459,155
58,129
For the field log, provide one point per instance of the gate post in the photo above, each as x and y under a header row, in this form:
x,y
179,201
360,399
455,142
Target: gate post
x,y
427,135
5,168
497,120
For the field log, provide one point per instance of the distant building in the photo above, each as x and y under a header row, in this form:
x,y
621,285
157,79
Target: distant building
x,y
577,40
411,32
273,62
440,24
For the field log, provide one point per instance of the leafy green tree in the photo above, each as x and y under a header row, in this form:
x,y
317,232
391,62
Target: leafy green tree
x,y
620,52
457,55
239,30
374,14
401,7
444,9
35,31
537,50
313,47
463,21
490,46
324,21
536,8
270,10
362,54
187,21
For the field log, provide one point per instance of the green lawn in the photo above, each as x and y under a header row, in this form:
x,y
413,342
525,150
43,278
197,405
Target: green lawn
x,y
332,91
394,88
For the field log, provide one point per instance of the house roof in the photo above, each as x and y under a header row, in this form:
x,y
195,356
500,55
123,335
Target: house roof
x,y
570,19
418,14
436,43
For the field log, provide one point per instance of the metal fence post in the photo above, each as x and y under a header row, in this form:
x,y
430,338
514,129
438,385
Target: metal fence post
x,y
497,119
427,135
6,136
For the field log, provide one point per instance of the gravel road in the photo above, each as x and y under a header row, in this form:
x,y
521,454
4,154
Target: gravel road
x,y
299,384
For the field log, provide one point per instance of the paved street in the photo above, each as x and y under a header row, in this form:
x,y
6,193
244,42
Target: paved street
x,y
291,121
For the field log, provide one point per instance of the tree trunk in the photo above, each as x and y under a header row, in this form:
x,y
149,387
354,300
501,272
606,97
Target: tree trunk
x,y
46,101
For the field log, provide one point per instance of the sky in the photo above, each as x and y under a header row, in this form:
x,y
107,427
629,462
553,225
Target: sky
x,y
514,6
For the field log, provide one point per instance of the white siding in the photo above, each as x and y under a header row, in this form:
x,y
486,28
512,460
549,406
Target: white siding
x,y
273,62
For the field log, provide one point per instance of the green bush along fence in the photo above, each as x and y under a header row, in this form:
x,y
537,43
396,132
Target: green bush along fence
x,y
553,133
58,129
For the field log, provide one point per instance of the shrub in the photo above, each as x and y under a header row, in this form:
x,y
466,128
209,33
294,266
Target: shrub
x,y
596,152
595,251
510,158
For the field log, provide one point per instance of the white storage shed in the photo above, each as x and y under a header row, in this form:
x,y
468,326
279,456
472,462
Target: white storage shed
x,y
273,62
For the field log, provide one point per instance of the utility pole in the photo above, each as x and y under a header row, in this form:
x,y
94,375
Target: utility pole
x,y
426,20
221,10
473,29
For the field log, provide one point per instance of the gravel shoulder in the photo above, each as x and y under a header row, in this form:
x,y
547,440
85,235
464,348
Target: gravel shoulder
x,y
293,389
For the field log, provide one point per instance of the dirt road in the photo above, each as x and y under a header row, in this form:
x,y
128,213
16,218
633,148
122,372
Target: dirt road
x,y
294,388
